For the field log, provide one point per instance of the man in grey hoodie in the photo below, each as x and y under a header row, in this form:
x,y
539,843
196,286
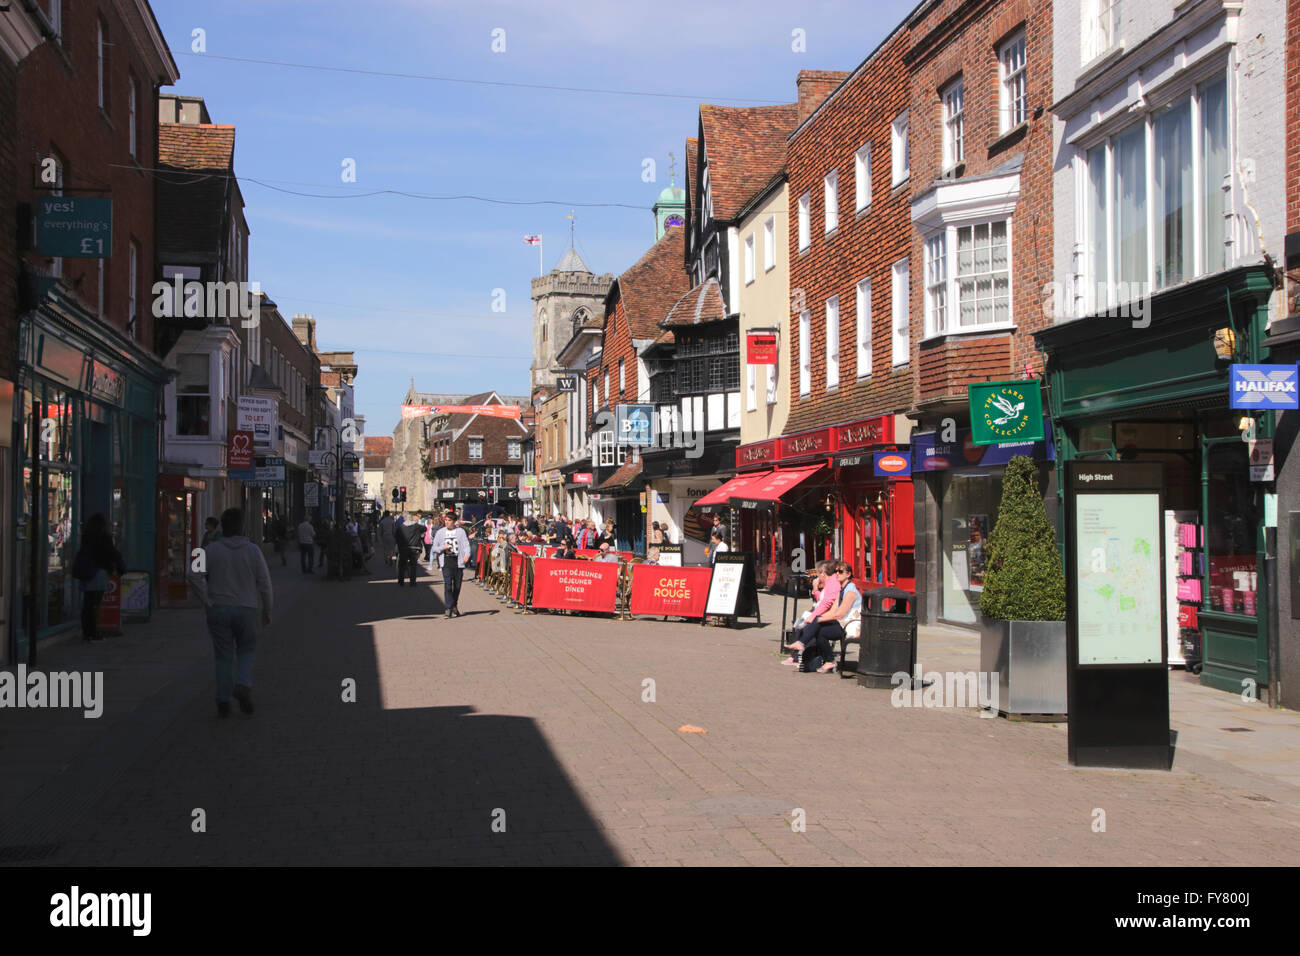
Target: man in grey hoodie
x,y
236,592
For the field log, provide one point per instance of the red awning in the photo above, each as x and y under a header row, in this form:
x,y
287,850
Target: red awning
x,y
728,490
774,485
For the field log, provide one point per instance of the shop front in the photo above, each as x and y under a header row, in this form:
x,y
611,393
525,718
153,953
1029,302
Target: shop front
x,y
1162,394
959,489
825,492
675,483
85,442
180,530
576,486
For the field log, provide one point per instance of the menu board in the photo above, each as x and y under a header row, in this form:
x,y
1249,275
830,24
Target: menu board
x,y
1117,557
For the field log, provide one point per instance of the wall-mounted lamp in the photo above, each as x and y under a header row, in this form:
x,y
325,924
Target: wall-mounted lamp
x,y
1225,343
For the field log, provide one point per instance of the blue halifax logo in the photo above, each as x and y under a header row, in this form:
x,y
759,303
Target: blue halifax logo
x,y
1265,386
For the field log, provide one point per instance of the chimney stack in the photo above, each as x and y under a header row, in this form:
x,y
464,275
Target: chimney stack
x,y
814,86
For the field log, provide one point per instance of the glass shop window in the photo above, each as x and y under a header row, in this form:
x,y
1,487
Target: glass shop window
x,y
1230,525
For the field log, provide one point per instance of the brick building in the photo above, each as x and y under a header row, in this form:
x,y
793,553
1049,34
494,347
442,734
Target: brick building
x,y
475,461
88,374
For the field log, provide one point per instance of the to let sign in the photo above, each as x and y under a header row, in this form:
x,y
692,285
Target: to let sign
x,y
761,348
75,227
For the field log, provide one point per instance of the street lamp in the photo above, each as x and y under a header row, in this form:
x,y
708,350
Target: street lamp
x,y
338,537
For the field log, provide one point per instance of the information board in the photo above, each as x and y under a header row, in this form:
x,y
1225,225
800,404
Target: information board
x,y
733,591
1117,537
669,554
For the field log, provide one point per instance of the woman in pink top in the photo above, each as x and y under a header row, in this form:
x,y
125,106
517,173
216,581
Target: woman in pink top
x,y
829,583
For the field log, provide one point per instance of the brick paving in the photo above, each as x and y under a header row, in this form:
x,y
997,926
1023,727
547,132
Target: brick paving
x,y
537,722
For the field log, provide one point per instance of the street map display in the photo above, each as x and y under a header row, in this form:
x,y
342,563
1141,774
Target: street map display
x,y
1118,588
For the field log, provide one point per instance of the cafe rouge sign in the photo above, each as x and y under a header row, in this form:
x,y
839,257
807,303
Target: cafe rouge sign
x,y
822,441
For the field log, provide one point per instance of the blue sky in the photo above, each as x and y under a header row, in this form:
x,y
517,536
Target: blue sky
x,y
407,283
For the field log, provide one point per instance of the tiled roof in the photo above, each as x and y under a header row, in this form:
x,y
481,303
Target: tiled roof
x,y
692,147
650,287
331,378
192,208
185,146
745,148
623,477
378,448
702,304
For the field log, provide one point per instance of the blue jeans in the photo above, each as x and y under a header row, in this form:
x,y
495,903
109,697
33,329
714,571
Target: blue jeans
x,y
234,636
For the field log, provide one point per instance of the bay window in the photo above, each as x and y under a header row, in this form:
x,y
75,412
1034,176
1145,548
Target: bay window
x,y
968,267
1154,199
193,396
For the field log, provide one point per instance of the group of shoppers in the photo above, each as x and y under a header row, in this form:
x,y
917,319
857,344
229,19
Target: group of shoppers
x,y
837,604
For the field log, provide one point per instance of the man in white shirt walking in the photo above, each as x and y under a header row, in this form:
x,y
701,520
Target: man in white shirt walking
x,y
451,546
306,545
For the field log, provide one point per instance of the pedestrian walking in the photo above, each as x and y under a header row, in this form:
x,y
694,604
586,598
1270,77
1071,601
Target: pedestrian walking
x,y
387,538
306,545
280,537
410,540
236,591
211,531
428,545
96,559
452,548
322,538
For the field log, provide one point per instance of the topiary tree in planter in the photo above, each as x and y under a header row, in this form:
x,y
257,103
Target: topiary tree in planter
x,y
1023,580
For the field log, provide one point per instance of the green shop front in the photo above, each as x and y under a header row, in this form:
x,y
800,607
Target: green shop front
x,y
85,429
1120,389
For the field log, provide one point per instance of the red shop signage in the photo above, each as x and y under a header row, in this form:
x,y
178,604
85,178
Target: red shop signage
x,y
758,453
806,444
582,478
674,592
761,348
575,585
239,455
869,431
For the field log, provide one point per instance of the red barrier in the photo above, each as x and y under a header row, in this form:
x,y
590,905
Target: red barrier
x,y
575,585
671,591
517,576
595,553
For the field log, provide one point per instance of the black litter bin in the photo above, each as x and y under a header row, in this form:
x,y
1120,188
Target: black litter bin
x,y
888,642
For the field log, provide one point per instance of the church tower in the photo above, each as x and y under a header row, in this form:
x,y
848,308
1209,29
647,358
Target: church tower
x,y
566,298
670,207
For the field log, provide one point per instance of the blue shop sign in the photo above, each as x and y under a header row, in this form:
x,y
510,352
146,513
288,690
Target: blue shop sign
x,y
1265,386
931,455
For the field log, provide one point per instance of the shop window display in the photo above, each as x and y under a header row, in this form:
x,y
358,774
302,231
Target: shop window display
x,y
969,509
1231,519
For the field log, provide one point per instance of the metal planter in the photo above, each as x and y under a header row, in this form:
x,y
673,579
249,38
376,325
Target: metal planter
x,y
1030,661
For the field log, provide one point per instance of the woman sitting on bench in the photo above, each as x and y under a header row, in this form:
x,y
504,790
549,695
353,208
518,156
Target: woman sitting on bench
x,y
828,584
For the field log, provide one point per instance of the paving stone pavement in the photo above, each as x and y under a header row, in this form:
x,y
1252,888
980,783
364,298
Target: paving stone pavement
x,y
502,738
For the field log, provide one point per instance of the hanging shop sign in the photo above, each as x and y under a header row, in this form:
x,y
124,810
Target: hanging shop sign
x,y
1265,386
1006,411
634,424
890,463
529,481
74,227
760,348
267,473
566,383
582,478
311,494
239,451
928,454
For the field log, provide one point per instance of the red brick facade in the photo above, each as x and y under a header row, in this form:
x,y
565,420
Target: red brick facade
x,y
1293,116
8,244
961,38
448,453
863,246
58,116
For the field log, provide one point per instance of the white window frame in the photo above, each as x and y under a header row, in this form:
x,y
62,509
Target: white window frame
x,y
863,297
751,388
831,200
771,384
1013,83
492,476
805,221
514,449
605,448
805,352
475,445
936,284
769,244
833,343
862,177
900,313
1099,31
1087,298
622,377
954,137
607,392
749,258
899,149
